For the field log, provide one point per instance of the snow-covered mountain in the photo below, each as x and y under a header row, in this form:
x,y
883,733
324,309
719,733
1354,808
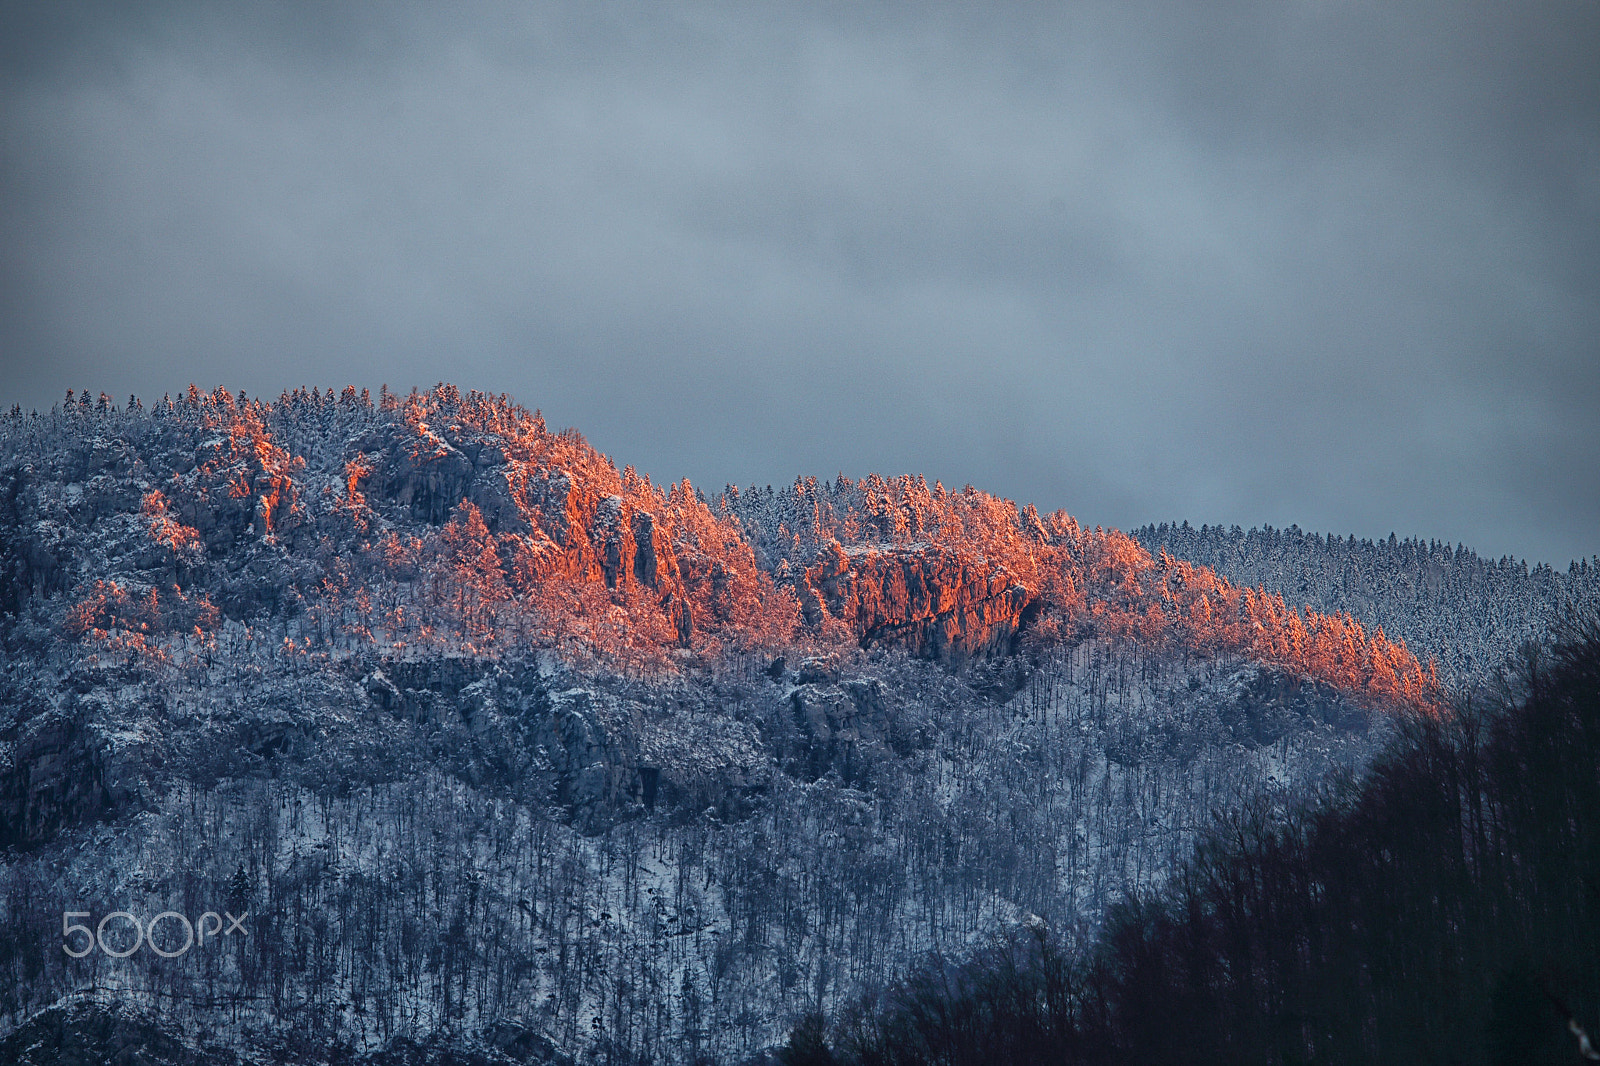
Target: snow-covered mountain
x,y
516,757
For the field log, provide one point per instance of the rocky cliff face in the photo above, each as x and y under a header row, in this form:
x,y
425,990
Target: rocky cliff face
x,y
57,780
574,528
71,753
935,602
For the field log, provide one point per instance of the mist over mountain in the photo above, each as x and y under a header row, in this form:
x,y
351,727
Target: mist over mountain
x,y
514,756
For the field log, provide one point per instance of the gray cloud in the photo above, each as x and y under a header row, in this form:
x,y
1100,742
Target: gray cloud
x,y
1322,262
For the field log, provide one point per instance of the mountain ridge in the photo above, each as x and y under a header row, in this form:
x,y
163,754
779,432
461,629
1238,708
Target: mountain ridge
x,y
470,500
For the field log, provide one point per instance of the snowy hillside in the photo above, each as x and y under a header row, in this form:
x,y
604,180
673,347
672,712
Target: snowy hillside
x,y
511,754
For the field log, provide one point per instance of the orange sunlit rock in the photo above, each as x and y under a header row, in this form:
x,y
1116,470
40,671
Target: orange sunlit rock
x,y
461,520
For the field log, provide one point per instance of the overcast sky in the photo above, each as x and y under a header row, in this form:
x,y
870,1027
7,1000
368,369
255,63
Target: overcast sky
x,y
1297,261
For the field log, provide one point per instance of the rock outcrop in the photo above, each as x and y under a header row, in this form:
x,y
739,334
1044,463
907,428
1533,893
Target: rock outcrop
x,y
71,765
575,529
937,602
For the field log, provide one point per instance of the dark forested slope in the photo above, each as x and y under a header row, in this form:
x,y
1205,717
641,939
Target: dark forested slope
x,y
1447,910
